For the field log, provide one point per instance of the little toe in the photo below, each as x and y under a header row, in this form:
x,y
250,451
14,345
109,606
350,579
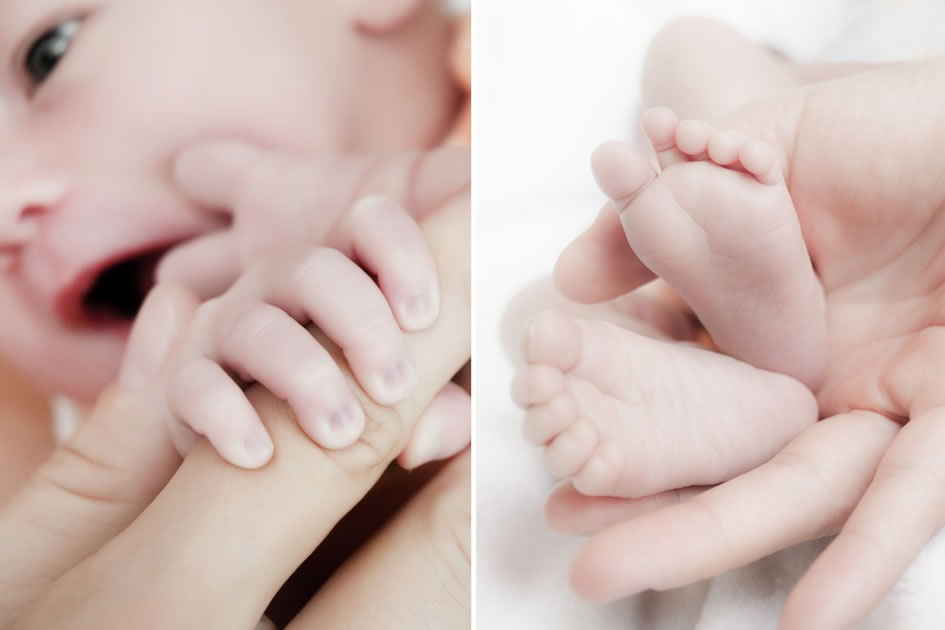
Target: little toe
x,y
760,160
536,385
601,475
569,451
659,125
544,423
724,145
621,172
692,138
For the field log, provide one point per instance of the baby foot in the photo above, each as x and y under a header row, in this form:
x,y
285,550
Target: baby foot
x,y
717,223
629,416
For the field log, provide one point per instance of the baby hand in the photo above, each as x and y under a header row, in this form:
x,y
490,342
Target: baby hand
x,y
281,203
255,332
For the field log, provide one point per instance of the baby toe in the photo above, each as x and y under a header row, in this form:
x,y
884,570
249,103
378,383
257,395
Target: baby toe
x,y
659,125
544,423
692,137
570,450
536,385
601,475
760,160
552,339
724,145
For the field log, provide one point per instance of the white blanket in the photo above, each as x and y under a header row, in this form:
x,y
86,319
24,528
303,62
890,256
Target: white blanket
x,y
553,79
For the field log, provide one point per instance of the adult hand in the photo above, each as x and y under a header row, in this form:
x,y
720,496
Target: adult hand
x,y
112,533
873,228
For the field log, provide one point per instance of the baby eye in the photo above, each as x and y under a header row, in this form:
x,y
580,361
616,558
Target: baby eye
x,y
46,52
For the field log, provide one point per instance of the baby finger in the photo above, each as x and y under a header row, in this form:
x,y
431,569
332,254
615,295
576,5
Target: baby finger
x,y
390,244
203,397
263,343
348,307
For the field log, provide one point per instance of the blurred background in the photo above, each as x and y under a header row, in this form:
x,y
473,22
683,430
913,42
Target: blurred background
x,y
553,79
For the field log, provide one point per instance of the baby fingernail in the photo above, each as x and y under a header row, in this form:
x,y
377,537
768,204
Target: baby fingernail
x,y
344,418
345,426
259,447
396,382
420,311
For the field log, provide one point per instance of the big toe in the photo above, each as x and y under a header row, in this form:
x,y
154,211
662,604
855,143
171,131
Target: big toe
x,y
621,172
554,339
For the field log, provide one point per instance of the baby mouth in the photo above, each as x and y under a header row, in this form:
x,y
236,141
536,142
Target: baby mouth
x,y
112,292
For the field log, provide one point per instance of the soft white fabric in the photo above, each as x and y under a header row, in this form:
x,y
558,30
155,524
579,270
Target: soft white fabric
x,y
554,79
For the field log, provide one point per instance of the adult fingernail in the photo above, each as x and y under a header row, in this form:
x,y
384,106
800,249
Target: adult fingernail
x,y
395,383
418,312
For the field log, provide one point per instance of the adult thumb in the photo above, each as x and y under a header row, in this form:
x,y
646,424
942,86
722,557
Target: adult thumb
x,y
98,482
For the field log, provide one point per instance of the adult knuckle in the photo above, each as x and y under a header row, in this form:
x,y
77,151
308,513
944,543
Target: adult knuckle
x,y
385,435
73,472
912,475
801,468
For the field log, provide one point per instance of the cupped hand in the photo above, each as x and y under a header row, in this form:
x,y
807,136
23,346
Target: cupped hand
x,y
115,532
864,173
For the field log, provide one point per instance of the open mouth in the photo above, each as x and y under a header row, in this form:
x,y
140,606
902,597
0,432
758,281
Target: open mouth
x,y
111,294
119,291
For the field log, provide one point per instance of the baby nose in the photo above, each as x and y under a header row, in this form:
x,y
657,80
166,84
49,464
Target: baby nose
x,y
23,200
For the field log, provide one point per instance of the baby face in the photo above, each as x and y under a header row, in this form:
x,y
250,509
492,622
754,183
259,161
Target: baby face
x,y
97,99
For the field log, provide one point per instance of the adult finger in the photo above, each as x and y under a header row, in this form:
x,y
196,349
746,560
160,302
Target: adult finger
x,y
599,264
104,476
804,492
214,547
425,551
901,510
571,512
442,431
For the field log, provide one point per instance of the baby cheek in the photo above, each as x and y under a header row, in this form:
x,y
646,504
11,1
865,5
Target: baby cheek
x,y
73,130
